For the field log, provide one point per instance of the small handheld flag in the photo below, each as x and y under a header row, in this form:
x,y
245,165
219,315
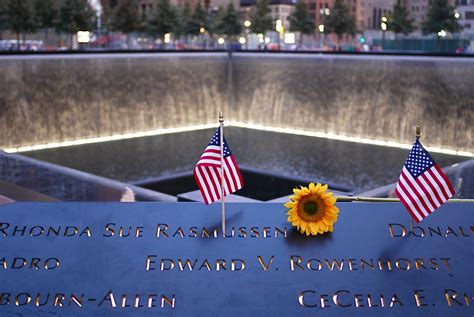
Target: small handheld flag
x,y
207,172
422,187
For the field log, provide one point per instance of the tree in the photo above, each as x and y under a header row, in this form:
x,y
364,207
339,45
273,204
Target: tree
x,y
231,22
226,22
143,26
184,22
399,21
300,21
125,18
105,15
213,21
340,21
440,17
74,16
46,14
164,19
3,16
20,17
198,20
261,18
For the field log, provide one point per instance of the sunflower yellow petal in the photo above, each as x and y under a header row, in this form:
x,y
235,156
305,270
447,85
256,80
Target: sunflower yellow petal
x,y
312,228
296,191
312,224
290,204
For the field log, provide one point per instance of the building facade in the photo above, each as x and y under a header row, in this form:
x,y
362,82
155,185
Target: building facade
x,y
465,8
148,5
279,10
417,10
368,13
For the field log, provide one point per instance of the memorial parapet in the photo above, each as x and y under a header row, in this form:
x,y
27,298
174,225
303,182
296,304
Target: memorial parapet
x,y
169,259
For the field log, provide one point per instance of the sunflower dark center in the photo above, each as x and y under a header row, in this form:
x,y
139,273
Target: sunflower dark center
x,y
310,207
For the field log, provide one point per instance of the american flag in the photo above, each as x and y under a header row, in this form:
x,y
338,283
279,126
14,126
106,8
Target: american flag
x,y
422,187
207,172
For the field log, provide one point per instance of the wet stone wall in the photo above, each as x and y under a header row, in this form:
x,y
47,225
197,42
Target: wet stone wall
x,y
56,98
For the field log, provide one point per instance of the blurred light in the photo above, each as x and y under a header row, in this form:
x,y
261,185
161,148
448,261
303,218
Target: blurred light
x,y
221,40
457,15
290,38
383,26
260,38
278,26
321,28
384,19
242,40
324,11
247,23
267,40
362,39
167,38
202,30
442,33
83,37
114,137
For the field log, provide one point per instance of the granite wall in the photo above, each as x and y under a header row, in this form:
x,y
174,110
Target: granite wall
x,y
62,97
55,98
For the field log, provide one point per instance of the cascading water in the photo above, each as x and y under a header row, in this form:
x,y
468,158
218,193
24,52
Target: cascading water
x,y
371,97
46,99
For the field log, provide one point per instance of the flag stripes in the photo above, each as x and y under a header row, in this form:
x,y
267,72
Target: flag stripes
x,y
424,194
207,172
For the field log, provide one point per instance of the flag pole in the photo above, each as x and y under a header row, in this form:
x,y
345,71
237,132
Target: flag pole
x,y
221,133
418,136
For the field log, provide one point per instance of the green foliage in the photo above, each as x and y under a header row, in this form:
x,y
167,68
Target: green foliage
x,y
399,21
143,26
20,16
3,15
261,18
74,16
106,14
230,22
440,17
199,19
164,19
213,21
184,20
125,17
300,21
46,13
340,20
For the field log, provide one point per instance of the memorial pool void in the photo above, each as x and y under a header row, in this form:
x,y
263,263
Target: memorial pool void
x,y
291,114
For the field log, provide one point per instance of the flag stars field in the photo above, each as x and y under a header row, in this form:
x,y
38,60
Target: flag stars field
x,y
207,172
422,187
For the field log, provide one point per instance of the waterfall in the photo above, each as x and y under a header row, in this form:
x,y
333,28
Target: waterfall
x,y
56,98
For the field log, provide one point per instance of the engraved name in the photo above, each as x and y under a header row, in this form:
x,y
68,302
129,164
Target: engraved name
x,y
163,230
397,230
9,230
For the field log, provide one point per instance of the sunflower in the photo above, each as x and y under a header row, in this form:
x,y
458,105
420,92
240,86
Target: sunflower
x,y
312,210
